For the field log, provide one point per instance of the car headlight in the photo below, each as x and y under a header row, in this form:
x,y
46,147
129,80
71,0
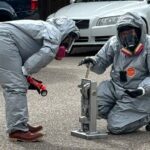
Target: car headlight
x,y
107,21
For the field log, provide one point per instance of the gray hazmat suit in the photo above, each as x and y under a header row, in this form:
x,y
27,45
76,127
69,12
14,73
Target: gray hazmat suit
x,y
31,44
123,113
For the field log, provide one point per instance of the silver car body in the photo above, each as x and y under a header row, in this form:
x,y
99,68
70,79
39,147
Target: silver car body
x,y
97,19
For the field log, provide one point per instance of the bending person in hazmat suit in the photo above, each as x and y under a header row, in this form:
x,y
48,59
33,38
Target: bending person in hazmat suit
x,y
124,100
26,47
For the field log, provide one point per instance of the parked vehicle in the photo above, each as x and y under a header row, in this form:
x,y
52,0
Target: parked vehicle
x,y
97,19
18,9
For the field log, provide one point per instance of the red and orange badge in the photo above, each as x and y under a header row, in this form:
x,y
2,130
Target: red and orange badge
x,y
131,72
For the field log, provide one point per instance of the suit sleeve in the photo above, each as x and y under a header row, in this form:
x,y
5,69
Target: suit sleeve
x,y
104,58
146,82
46,54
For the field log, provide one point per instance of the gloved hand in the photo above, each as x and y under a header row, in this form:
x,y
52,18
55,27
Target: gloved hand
x,y
33,84
87,60
135,93
33,87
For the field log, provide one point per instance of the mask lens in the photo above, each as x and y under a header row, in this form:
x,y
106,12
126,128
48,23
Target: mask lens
x,y
68,42
129,39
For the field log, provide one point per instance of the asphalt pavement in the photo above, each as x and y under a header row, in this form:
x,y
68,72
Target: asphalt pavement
x,y
59,113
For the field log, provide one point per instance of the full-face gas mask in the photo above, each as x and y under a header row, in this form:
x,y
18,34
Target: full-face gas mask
x,y
129,37
66,44
69,40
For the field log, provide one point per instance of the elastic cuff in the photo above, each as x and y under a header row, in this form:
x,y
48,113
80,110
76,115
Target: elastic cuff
x,y
24,71
143,90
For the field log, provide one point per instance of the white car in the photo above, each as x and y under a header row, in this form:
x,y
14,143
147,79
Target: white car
x,y
97,19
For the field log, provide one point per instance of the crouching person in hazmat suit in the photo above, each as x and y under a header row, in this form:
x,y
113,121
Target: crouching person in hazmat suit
x,y
124,100
26,46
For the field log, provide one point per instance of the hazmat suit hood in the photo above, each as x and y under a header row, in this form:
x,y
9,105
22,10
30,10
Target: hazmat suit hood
x,y
64,25
133,20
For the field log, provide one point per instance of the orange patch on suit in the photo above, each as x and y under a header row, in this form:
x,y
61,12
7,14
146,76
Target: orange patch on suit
x,y
131,72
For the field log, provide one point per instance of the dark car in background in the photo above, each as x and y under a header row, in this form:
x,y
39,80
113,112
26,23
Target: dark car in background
x,y
18,9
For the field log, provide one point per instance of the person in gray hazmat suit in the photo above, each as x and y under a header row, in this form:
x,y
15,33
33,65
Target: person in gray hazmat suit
x,y
124,100
26,46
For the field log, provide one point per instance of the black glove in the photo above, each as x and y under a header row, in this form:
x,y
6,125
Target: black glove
x,y
135,93
87,60
33,87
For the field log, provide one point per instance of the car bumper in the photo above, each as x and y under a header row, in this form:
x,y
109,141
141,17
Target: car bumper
x,y
95,35
94,38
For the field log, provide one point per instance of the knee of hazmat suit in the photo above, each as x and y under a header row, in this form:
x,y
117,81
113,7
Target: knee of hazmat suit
x,y
69,31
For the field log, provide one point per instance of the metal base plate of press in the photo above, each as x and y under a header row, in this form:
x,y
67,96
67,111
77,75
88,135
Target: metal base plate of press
x,y
88,136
